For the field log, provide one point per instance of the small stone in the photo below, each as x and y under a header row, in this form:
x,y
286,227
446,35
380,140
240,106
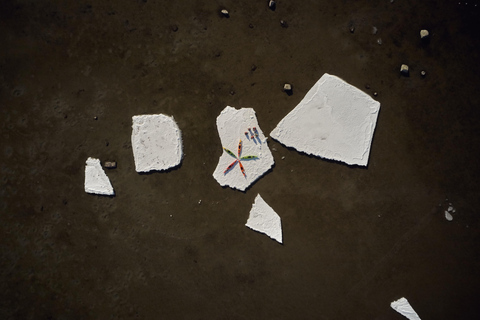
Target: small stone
x,y
423,73
284,24
232,92
95,118
374,30
272,5
424,34
448,216
367,86
110,164
254,67
174,28
375,94
287,87
379,41
225,13
250,26
283,158
404,70
352,29
200,201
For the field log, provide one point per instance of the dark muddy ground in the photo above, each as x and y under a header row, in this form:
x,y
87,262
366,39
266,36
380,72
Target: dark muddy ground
x,y
355,239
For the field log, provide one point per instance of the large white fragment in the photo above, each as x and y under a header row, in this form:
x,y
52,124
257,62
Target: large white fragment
x,y
335,120
156,142
241,125
96,181
404,308
263,219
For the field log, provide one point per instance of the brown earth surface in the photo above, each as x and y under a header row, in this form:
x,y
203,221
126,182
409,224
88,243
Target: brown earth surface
x,y
355,239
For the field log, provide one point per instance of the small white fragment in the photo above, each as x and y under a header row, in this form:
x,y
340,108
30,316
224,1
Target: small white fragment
x,y
424,34
334,120
374,30
200,201
265,220
225,13
448,216
404,69
405,309
450,209
156,142
287,87
272,4
232,124
96,181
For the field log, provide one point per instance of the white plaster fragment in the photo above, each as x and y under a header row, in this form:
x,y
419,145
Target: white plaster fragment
x,y
335,120
263,219
404,308
234,125
96,181
156,142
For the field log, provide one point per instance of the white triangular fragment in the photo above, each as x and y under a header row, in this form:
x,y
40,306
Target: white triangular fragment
x,y
263,219
96,181
156,142
335,120
405,309
234,125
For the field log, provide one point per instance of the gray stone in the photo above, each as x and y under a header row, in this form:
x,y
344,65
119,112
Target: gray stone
x,y
424,34
110,164
404,70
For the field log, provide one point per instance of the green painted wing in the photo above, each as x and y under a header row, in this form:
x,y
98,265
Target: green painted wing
x,y
248,158
230,153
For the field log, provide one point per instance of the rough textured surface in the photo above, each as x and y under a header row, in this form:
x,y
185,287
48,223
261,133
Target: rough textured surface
x,y
264,219
156,142
403,307
355,239
233,125
96,180
334,120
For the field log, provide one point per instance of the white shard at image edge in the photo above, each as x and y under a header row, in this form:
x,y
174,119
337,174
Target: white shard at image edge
x,y
404,308
96,181
263,219
156,142
335,120
232,124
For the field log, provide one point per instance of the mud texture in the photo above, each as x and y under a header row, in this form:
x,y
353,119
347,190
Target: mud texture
x,y
72,75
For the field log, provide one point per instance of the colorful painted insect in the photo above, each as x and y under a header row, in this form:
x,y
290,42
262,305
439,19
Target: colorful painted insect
x,y
238,159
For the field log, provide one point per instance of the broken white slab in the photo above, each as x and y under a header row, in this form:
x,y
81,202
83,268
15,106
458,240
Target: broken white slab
x,y
96,180
335,120
263,219
156,142
234,125
405,309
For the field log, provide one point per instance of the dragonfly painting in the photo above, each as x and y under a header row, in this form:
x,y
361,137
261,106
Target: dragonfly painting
x,y
238,159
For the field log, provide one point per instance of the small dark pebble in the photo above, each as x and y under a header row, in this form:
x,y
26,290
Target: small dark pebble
x,y
367,86
250,26
254,67
232,92
174,28
284,24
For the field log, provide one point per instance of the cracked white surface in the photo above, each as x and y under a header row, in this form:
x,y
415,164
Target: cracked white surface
x,y
156,142
96,180
405,309
232,125
265,220
335,120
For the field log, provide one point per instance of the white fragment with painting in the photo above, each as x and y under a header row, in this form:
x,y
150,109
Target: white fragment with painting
x,y
245,155
403,307
156,142
96,180
335,120
265,220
